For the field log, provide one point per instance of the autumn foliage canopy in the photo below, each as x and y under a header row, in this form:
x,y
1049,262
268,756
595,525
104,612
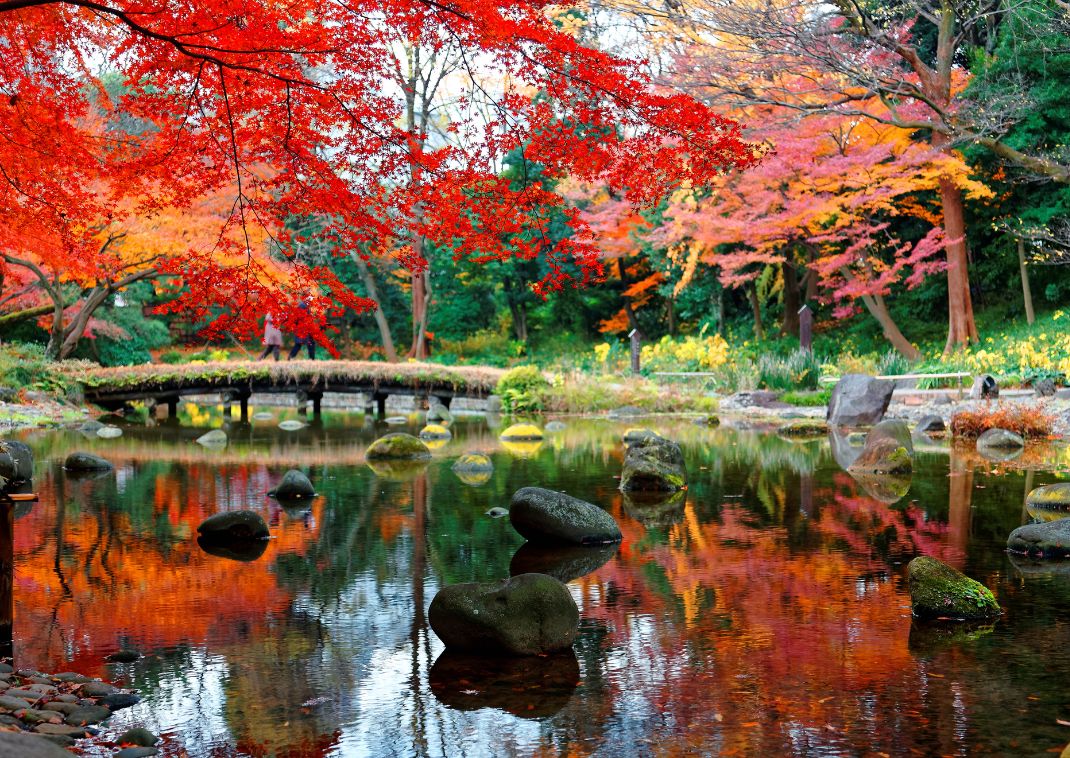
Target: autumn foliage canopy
x,y
141,109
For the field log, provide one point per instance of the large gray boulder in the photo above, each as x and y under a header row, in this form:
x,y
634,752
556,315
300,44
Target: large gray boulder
x,y
553,517
16,462
1050,539
79,461
237,525
888,450
653,464
529,614
939,591
294,486
859,400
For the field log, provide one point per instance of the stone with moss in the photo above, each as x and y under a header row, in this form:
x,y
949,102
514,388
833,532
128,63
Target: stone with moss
x,y
79,461
475,462
939,591
435,432
888,450
804,429
546,516
398,446
521,433
1050,539
633,435
653,464
529,614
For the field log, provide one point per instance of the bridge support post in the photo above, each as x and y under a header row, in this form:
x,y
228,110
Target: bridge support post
x,y
380,405
172,408
316,398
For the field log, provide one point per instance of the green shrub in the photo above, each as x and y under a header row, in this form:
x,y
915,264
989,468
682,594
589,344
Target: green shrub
x,y
1033,375
522,389
171,357
23,366
807,399
799,371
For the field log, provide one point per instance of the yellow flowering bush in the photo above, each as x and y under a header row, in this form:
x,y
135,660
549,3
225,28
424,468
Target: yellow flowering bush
x,y
685,354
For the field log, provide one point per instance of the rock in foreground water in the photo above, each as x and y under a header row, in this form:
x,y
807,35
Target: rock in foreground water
x,y
294,486
398,445
888,450
1048,540
546,516
939,591
80,461
521,433
238,525
530,614
653,464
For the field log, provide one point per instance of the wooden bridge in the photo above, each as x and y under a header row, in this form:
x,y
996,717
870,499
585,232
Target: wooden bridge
x,y
236,381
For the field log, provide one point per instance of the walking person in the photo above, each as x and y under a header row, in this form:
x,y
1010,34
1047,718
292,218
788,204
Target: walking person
x,y
272,338
305,340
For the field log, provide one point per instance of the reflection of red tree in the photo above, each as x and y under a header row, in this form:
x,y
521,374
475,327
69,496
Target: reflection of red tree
x,y
86,581
748,647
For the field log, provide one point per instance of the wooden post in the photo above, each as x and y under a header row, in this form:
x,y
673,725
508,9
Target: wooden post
x,y
316,397
1027,295
636,339
806,328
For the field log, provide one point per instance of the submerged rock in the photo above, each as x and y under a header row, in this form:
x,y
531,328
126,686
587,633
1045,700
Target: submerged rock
x,y
859,400
530,614
804,429
542,515
398,446
888,450
294,486
80,461
237,525
435,432
563,563
521,433
138,736
939,591
1050,539
468,682
291,425
16,462
109,432
214,438
653,463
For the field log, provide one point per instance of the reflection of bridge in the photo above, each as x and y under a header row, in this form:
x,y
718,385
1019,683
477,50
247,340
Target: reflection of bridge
x,y
162,384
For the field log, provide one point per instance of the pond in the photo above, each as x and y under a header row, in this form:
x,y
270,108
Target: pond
x,y
764,614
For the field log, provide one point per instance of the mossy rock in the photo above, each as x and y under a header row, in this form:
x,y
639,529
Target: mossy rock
x,y
631,436
476,462
398,446
888,450
653,464
1050,539
398,469
546,516
435,432
529,614
804,429
79,461
938,591
521,433
294,486
237,525
1051,497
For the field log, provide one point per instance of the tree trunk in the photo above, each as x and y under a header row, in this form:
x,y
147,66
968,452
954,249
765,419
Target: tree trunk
x,y
520,320
633,322
11,318
756,310
380,318
671,313
720,308
1027,294
961,328
421,297
790,323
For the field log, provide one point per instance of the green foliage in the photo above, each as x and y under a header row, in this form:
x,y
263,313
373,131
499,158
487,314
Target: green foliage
x,y
23,366
893,363
813,399
800,370
523,389
171,357
1033,375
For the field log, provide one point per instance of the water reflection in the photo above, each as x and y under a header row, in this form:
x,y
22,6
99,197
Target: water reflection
x,y
765,613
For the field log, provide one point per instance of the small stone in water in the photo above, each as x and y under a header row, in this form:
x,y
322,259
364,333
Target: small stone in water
x,y
138,737
291,426
88,714
119,700
95,689
497,512
67,731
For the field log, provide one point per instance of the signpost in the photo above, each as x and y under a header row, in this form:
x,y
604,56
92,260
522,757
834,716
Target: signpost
x,y
806,328
636,338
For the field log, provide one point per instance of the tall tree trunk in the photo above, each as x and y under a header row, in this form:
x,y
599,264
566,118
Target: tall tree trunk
x,y
519,312
790,323
1027,294
720,308
961,328
421,298
756,310
370,287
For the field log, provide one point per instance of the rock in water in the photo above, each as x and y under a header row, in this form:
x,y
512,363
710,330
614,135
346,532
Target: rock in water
x,y
16,745
86,462
291,425
939,591
109,432
1000,439
398,445
521,433
435,432
888,450
858,400
984,387
632,436
554,517
138,736
439,412
626,412
1055,497
653,464
396,420
1048,540
530,614
214,438
263,416
473,462
497,512
804,429
16,462
563,563
932,424
237,525
294,486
